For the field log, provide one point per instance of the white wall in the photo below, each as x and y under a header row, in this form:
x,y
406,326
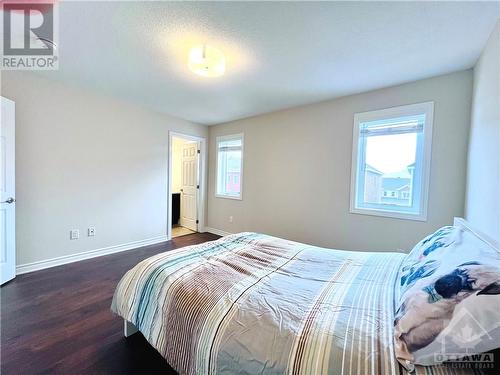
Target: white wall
x,y
84,159
297,169
483,174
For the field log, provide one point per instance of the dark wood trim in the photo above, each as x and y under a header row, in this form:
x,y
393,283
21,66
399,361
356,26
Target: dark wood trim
x,y
58,320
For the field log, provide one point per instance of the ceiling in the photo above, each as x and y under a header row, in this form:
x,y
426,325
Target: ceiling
x,y
279,54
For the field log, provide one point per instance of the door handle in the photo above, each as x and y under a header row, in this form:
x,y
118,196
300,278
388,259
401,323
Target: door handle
x,y
9,200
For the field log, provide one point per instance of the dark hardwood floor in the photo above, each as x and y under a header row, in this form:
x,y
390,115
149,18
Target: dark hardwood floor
x,y
59,320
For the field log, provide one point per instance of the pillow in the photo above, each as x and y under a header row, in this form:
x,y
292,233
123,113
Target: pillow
x,y
441,238
424,257
449,300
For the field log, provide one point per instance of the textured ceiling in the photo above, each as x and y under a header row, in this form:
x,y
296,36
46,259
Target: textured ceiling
x,y
278,55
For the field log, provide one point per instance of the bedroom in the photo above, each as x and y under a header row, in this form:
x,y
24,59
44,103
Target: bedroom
x,y
362,127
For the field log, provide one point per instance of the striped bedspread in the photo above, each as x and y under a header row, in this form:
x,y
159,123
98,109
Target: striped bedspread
x,y
254,304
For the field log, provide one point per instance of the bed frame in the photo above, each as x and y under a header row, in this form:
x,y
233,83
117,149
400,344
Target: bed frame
x,y
129,329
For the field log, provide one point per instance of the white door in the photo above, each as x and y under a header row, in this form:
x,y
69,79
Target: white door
x,y
189,186
7,190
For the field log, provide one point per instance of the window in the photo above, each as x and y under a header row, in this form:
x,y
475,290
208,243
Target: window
x,y
229,166
391,161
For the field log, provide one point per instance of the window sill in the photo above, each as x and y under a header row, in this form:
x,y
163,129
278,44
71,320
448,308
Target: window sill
x,y
228,197
389,214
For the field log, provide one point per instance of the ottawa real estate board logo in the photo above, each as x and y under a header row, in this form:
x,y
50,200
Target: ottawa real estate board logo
x,y
29,35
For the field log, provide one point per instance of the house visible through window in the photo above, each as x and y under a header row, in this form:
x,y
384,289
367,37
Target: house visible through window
x,y
391,161
229,166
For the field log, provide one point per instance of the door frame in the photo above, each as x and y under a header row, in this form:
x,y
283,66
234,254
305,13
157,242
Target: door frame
x,y
202,175
9,272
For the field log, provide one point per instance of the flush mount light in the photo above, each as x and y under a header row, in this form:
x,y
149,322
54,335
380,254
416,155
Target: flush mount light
x,y
207,61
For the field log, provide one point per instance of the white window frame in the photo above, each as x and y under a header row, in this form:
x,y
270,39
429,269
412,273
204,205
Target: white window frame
x,y
217,141
426,108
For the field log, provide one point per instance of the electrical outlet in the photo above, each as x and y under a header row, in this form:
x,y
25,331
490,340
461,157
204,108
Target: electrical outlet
x,y
74,234
230,219
91,231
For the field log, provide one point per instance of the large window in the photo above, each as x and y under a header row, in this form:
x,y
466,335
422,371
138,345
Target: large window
x,y
229,166
391,161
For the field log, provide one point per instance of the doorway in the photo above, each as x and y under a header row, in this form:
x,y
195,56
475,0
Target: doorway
x,y
186,185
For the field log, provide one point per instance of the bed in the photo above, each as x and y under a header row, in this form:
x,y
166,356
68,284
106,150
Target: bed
x,y
250,303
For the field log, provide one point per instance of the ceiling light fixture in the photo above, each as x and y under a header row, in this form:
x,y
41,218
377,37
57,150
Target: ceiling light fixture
x,y
207,61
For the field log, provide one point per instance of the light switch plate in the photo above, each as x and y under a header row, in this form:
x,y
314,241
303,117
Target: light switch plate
x,y
91,231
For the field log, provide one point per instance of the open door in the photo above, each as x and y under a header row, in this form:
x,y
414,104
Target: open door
x,y
7,190
189,186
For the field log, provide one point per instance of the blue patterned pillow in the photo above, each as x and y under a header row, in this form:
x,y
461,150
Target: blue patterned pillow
x,y
449,299
441,238
424,257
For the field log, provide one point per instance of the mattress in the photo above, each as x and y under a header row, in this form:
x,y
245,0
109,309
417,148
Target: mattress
x,y
250,303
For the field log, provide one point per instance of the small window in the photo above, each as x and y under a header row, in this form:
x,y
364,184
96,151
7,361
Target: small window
x,y
229,166
391,161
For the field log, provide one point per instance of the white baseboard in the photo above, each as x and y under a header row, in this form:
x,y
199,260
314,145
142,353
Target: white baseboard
x,y
42,264
217,231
